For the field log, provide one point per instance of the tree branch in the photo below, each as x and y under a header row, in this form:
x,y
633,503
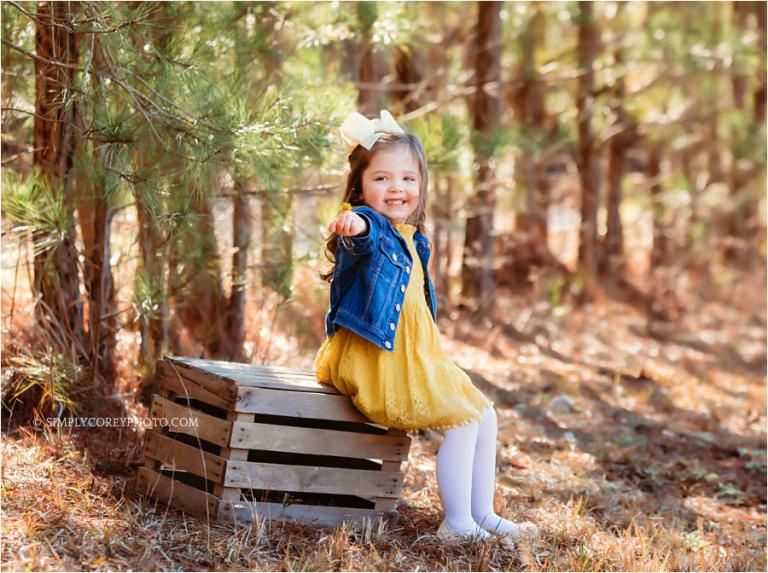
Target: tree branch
x,y
40,58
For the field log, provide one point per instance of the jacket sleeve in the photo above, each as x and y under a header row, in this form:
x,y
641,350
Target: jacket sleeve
x,y
362,244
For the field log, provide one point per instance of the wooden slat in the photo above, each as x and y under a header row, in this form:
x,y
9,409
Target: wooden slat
x,y
255,377
232,493
316,441
206,364
247,511
230,369
364,483
219,385
291,386
207,427
298,405
183,456
282,384
392,466
259,370
182,386
389,503
176,494
252,375
386,503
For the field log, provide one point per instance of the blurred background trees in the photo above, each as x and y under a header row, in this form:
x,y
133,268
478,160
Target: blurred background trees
x,y
169,168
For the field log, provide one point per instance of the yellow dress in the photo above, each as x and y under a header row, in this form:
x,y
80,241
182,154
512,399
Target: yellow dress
x,y
416,386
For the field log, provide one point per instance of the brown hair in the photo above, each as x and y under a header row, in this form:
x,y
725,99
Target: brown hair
x,y
359,160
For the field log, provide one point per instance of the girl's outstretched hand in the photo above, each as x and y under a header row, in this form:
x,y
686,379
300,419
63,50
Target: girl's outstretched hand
x,y
348,224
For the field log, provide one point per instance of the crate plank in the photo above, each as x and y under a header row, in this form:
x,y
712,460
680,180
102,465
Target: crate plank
x,y
317,441
256,378
254,370
363,483
252,375
206,427
240,366
280,384
386,503
249,511
176,494
182,386
232,454
298,404
183,456
260,370
219,385
230,368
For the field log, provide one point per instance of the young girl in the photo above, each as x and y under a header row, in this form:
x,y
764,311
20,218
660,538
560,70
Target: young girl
x,y
383,347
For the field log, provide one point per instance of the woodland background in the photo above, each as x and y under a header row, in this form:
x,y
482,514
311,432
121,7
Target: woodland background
x,y
597,213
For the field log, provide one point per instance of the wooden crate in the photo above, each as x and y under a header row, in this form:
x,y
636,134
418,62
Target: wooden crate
x,y
266,441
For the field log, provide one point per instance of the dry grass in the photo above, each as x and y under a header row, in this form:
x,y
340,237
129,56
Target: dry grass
x,y
652,457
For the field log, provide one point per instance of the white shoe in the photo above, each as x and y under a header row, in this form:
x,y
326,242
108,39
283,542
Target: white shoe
x,y
523,530
447,532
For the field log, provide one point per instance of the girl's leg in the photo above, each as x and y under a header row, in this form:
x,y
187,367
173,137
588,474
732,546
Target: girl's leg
x,y
484,469
454,475
484,481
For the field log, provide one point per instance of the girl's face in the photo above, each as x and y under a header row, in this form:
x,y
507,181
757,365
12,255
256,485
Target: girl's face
x,y
391,183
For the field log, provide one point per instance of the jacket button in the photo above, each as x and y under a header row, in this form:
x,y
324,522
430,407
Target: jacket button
x,y
407,269
394,256
391,325
387,344
397,307
402,288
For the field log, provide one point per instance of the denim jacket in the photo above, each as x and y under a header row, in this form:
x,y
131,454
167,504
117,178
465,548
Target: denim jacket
x,y
370,279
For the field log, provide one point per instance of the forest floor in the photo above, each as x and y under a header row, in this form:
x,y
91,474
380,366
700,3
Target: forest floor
x,y
631,452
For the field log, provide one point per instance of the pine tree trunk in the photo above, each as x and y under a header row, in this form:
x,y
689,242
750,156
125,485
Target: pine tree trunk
x,y
477,263
202,306
611,261
409,69
613,253
744,219
441,181
760,93
445,285
662,304
276,205
241,219
95,224
370,69
528,102
56,278
441,238
155,324
587,160
276,242
713,151
659,245
436,54
152,331
740,12
739,216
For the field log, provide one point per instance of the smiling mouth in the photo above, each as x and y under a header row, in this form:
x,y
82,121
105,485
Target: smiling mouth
x,y
395,202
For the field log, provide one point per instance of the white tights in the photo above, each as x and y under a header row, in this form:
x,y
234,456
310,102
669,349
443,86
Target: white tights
x,y
466,476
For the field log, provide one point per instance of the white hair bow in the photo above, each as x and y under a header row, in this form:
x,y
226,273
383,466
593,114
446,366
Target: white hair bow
x,y
359,130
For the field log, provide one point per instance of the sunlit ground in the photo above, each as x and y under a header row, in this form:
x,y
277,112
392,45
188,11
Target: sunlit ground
x,y
631,452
